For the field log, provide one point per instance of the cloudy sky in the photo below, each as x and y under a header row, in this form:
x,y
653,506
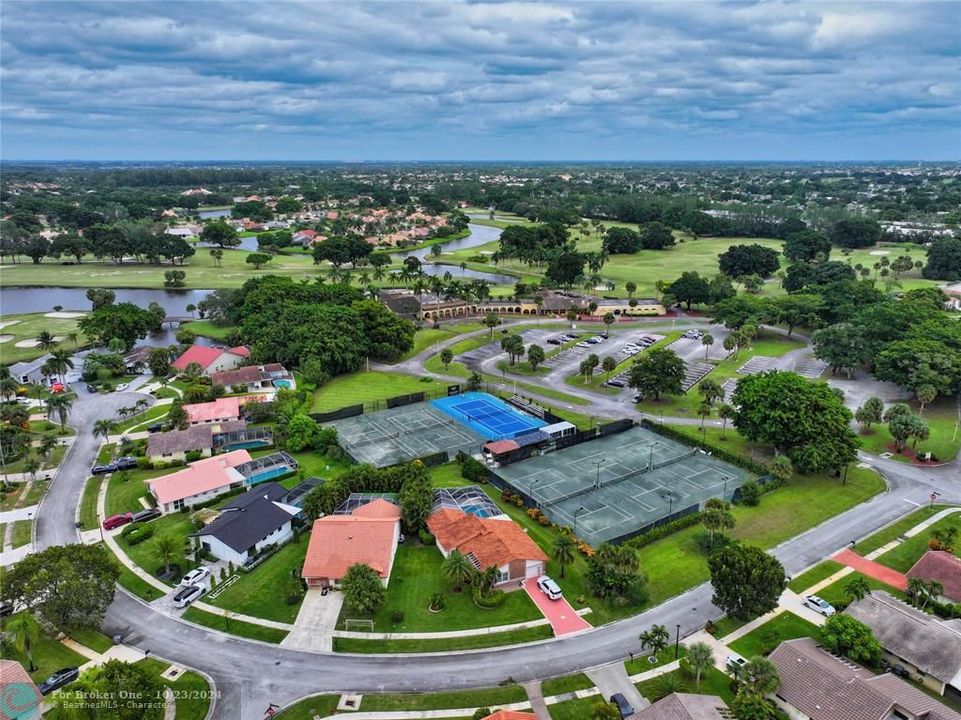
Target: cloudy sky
x,y
450,80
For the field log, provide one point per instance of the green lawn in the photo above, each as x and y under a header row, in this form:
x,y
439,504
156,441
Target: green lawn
x,y
22,532
35,492
566,684
191,690
125,488
310,708
153,413
48,655
895,530
93,639
763,640
428,336
27,326
836,595
447,475
943,442
902,557
205,328
641,663
416,576
713,682
470,642
177,525
767,343
575,709
235,627
453,699
88,503
819,572
365,387
261,592
726,625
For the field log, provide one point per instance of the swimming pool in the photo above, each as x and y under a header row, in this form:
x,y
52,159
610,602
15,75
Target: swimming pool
x,y
487,415
283,384
247,444
268,474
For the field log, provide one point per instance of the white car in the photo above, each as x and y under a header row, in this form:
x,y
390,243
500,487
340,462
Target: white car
x,y
121,387
735,661
819,605
186,596
549,587
195,576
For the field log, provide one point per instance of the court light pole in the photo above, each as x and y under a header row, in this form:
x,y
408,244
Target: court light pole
x,y
530,488
597,467
670,498
580,509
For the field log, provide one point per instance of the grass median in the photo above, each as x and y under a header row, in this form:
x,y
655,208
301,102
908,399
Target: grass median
x,y
234,627
467,642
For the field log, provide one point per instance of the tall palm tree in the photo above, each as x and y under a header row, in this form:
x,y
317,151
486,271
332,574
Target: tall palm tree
x,y
166,549
760,676
707,340
45,341
24,631
458,569
46,445
654,639
74,337
60,405
60,361
668,684
102,428
700,657
562,551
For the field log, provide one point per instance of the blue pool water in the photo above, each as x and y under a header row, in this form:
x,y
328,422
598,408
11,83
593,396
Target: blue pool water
x,y
247,444
487,415
478,510
283,384
268,474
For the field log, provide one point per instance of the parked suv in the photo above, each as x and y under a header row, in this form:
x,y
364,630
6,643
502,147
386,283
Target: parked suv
x,y
549,587
115,521
186,596
125,463
103,469
623,706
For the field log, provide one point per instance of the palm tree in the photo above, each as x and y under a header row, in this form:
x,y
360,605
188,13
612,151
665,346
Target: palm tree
x,y
46,445
781,468
60,361
8,387
74,337
458,569
30,466
760,676
700,657
717,516
24,631
45,341
60,404
654,639
166,549
725,412
707,340
857,588
562,551
945,537
103,428
608,321
631,288
668,684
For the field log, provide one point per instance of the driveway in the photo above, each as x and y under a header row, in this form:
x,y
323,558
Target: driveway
x,y
559,613
872,569
611,679
315,622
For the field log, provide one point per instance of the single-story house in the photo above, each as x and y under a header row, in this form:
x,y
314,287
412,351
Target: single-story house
x,y
221,410
929,649
943,567
368,536
184,231
212,359
21,697
175,444
198,482
487,542
816,685
248,524
685,706
303,237
255,377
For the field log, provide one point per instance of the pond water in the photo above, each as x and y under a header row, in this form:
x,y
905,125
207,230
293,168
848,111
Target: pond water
x,y
208,214
248,243
479,235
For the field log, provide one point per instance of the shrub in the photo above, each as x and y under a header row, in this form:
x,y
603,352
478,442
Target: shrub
x,y
137,534
489,600
425,537
437,601
544,520
750,493
707,545
656,533
238,388
481,713
397,616
473,470
193,455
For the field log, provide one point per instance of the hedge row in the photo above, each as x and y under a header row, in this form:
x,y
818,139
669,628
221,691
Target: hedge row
x,y
661,531
718,452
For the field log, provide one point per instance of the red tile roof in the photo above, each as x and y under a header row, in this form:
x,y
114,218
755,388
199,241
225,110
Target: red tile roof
x,y
200,354
490,541
378,509
338,542
202,476
501,446
225,407
943,567
241,350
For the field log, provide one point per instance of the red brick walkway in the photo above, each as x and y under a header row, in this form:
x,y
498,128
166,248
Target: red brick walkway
x,y
872,569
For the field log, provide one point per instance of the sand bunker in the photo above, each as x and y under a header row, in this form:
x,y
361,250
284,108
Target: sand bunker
x,y
880,252
6,338
64,315
28,343
8,323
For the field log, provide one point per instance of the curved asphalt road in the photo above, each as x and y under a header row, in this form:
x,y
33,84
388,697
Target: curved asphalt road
x,y
250,675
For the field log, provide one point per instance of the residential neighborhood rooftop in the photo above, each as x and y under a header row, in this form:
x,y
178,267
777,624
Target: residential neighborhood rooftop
x,y
199,477
685,706
942,566
250,517
487,541
223,407
338,542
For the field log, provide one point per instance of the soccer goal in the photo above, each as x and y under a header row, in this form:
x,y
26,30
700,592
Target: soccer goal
x,y
364,625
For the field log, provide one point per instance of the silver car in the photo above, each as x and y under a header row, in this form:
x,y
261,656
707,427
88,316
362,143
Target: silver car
x,y
550,588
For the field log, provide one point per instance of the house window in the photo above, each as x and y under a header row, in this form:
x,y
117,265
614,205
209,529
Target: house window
x,y
178,504
503,576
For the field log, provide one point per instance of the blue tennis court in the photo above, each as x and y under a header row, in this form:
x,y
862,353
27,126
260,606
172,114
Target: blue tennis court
x,y
487,415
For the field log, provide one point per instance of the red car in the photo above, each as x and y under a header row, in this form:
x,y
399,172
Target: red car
x,y
115,521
